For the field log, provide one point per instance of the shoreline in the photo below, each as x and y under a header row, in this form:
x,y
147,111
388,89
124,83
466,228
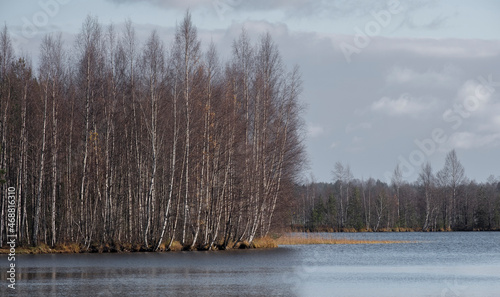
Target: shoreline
x,y
259,243
383,230
110,248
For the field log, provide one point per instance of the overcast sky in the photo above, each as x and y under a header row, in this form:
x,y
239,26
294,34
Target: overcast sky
x,y
384,82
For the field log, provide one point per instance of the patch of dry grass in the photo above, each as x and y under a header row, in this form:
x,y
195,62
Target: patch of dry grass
x,y
70,248
264,243
319,239
40,249
176,246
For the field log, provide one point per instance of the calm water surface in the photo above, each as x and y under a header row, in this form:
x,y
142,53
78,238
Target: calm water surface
x,y
439,264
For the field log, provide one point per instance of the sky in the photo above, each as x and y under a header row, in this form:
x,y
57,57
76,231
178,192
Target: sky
x,y
384,82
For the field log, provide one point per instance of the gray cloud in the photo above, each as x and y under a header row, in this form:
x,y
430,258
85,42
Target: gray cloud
x,y
404,105
170,4
297,8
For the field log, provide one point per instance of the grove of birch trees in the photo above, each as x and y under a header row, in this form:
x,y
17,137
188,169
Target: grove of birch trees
x,y
443,200
109,140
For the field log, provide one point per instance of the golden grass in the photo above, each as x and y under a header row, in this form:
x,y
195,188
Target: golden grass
x,y
70,248
176,246
264,243
319,239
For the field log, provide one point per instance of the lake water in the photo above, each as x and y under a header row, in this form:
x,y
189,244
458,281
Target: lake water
x,y
439,264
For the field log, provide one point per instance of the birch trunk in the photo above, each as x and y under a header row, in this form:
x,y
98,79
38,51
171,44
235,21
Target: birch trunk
x,y
38,202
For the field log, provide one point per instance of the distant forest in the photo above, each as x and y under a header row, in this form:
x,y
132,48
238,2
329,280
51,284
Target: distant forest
x,y
110,141
445,200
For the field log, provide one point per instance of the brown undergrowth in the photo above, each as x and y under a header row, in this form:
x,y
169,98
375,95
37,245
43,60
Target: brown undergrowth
x,y
258,243
73,248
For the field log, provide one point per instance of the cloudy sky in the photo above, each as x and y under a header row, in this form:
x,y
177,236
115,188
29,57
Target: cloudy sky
x,y
385,82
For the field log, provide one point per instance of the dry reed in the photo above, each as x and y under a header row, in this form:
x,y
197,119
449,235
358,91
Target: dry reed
x,y
319,239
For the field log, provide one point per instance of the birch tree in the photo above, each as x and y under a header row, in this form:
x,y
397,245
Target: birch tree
x,y
397,181
451,177
188,45
89,43
427,180
6,59
154,70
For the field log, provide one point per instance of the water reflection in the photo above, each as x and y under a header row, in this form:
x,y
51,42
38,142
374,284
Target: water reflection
x,y
440,264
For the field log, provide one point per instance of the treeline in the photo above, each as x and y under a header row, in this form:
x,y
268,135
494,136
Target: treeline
x,y
443,201
113,141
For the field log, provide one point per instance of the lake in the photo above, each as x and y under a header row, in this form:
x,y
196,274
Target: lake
x,y
439,264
